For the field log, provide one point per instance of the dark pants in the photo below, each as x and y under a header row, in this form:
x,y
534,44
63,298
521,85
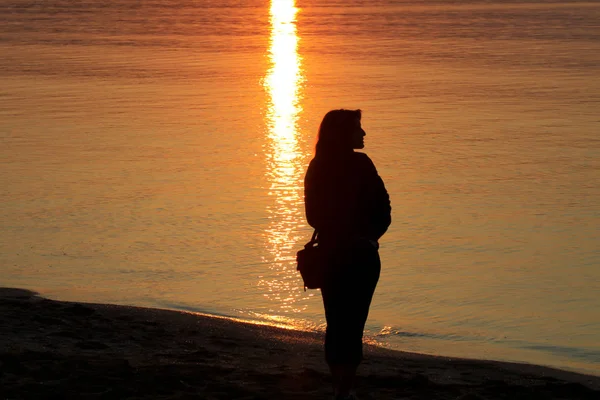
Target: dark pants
x,y
347,297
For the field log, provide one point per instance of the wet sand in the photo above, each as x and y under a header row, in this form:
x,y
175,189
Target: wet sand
x,y
52,349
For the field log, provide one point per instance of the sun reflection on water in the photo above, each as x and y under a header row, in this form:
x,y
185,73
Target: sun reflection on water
x,y
283,84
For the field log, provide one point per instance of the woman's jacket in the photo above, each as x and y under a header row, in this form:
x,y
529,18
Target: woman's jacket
x,y
346,200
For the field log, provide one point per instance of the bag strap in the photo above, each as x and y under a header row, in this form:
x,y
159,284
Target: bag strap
x,y
313,240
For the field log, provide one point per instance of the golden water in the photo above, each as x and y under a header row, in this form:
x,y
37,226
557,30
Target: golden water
x,y
153,154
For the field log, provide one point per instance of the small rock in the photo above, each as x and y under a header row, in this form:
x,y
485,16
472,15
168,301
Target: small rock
x,y
418,380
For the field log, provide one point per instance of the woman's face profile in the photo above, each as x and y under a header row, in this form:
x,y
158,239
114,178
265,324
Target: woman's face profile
x,y
358,134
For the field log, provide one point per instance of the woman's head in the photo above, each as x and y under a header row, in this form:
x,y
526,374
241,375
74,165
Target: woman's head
x,y
340,132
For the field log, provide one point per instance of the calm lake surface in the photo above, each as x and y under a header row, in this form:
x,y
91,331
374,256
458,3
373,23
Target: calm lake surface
x,y
153,154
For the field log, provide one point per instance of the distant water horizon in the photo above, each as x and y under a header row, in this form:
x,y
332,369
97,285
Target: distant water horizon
x,y
153,155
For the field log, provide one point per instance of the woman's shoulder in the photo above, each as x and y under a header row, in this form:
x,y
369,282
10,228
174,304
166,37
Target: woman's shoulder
x,y
348,162
361,156
363,160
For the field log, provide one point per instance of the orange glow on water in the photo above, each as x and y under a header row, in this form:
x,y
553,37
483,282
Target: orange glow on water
x,y
283,80
283,84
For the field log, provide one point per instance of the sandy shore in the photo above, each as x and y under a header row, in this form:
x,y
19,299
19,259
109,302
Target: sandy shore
x,y
55,350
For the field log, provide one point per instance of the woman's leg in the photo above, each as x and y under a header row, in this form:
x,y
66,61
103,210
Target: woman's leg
x,y
347,300
343,376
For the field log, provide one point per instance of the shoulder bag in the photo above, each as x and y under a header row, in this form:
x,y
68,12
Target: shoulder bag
x,y
312,264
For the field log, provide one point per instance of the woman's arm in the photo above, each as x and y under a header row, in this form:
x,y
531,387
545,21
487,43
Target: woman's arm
x,y
311,203
380,209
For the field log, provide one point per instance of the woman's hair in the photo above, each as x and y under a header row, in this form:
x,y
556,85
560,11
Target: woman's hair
x,y
335,132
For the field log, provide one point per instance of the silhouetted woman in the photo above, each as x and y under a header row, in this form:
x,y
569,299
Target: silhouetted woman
x,y
348,205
